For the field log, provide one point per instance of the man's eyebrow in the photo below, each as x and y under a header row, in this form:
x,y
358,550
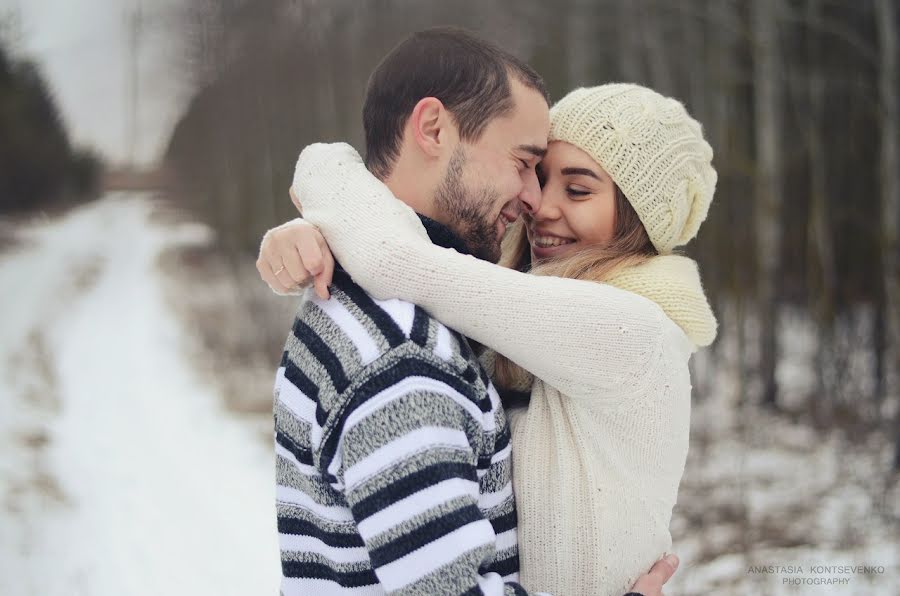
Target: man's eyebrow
x,y
579,172
535,150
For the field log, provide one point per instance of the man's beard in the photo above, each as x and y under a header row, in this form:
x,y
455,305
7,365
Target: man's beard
x,y
468,211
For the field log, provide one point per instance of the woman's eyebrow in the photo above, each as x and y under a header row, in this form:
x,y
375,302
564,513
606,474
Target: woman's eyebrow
x,y
579,172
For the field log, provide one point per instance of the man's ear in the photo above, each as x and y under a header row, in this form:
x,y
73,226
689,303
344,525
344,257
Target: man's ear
x,y
431,126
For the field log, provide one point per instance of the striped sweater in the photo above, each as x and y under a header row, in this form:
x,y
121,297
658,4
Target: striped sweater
x,y
393,453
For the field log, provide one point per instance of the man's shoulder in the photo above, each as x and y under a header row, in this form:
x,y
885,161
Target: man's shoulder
x,y
353,334
352,349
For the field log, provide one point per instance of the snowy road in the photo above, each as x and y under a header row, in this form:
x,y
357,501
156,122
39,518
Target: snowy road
x,y
120,471
122,474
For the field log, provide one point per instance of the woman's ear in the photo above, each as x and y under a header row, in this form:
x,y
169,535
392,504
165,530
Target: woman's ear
x,y
431,126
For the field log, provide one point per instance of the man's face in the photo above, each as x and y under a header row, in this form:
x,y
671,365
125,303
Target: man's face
x,y
489,183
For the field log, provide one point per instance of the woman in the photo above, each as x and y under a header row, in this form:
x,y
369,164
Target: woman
x,y
601,327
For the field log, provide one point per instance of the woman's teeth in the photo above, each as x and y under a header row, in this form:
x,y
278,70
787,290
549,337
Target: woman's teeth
x,y
506,221
548,241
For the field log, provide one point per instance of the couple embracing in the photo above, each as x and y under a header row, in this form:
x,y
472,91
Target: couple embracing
x,y
486,386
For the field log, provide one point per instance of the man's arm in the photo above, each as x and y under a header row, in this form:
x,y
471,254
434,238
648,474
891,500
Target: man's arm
x,y
403,452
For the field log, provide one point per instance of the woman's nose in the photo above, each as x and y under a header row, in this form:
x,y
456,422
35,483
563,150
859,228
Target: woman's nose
x,y
549,208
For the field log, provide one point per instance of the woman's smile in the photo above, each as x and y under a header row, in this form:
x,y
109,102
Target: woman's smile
x,y
545,244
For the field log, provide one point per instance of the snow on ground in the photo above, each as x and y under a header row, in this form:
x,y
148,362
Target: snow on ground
x,y
122,473
771,505
120,470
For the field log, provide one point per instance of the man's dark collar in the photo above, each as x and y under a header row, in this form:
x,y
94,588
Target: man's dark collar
x,y
439,234
443,236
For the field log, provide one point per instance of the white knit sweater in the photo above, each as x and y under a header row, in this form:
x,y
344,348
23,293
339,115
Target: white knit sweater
x,y
600,451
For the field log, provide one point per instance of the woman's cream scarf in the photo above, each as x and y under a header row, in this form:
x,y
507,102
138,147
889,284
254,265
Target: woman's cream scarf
x,y
673,282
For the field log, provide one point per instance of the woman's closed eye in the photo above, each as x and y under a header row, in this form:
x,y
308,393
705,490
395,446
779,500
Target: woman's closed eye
x,y
576,192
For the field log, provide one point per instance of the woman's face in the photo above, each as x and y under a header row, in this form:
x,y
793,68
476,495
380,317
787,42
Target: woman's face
x,y
578,201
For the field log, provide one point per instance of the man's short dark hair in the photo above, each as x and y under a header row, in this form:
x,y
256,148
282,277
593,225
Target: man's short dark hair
x,y
470,76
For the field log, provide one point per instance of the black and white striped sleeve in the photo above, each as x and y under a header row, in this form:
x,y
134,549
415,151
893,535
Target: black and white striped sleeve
x,y
403,452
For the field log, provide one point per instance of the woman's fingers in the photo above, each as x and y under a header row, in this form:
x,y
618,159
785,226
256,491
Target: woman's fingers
x,y
662,571
291,255
308,249
316,258
267,273
295,272
283,283
274,262
285,278
323,279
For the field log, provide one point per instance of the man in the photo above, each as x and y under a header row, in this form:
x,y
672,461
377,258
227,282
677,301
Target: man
x,y
393,448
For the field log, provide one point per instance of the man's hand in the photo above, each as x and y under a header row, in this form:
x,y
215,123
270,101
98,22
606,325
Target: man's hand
x,y
652,583
293,254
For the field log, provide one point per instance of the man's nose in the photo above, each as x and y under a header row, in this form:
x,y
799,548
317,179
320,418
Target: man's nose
x,y
531,194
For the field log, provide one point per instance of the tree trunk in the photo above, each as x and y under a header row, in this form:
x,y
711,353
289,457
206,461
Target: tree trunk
x,y
694,36
580,24
655,41
768,185
721,19
886,18
821,284
631,54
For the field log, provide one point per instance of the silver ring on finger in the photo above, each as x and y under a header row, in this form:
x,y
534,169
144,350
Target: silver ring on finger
x,y
280,270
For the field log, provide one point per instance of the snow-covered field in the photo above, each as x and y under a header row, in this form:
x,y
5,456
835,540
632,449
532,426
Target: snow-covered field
x,y
769,504
126,468
121,473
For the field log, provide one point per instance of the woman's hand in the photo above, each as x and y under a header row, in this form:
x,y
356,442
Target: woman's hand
x,y
292,255
651,583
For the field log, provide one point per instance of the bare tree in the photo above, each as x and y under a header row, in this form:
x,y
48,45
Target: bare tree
x,y
886,18
580,28
769,184
821,280
693,36
631,54
652,27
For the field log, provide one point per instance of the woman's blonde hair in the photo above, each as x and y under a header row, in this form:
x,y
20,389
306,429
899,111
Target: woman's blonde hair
x,y
630,246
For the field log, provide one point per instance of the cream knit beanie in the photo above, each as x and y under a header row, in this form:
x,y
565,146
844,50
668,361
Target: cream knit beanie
x,y
653,150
